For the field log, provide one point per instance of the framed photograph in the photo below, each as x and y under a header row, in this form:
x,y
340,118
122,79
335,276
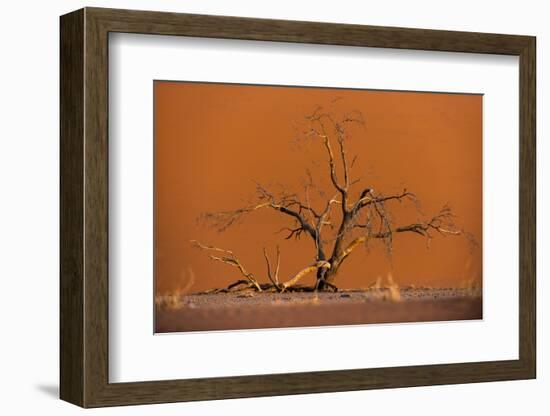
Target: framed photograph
x,y
255,207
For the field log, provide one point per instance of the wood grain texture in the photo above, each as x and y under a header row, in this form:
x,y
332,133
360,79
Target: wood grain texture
x,y
84,207
71,213
162,23
527,208
96,218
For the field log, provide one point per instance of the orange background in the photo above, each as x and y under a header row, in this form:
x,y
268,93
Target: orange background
x,y
214,140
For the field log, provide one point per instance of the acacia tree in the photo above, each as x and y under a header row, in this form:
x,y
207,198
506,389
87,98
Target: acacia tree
x,y
349,217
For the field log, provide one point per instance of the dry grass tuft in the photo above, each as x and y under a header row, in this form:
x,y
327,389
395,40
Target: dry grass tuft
x,y
168,301
472,286
389,291
172,300
393,288
470,282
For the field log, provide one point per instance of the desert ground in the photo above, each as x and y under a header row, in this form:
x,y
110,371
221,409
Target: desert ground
x,y
253,310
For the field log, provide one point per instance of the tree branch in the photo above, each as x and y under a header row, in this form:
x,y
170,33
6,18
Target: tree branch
x,y
274,278
228,257
304,272
317,117
368,197
441,223
224,219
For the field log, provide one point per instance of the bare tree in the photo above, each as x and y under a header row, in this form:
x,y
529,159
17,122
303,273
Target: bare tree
x,y
338,224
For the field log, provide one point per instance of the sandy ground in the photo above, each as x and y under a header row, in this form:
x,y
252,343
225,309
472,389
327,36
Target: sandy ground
x,y
224,311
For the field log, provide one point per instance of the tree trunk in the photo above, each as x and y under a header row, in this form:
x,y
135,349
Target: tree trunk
x,y
320,284
325,277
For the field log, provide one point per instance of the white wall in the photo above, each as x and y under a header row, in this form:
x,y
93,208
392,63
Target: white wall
x,y
29,207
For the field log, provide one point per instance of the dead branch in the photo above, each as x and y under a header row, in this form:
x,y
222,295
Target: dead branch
x,y
304,272
288,204
368,197
441,223
238,283
319,130
273,277
228,257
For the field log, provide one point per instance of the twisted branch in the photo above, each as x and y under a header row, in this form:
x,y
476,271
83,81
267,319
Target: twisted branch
x,y
304,272
228,257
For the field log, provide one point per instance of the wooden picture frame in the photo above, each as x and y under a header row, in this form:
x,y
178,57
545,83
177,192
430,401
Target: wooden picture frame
x,y
84,207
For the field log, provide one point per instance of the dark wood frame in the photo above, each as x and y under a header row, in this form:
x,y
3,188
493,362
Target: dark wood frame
x,y
84,207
